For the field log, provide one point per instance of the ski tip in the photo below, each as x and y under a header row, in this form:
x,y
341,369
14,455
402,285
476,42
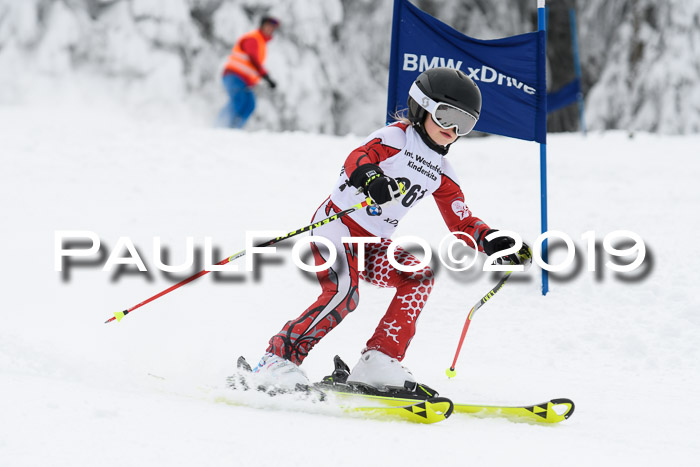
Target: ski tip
x,y
450,372
426,411
442,406
565,402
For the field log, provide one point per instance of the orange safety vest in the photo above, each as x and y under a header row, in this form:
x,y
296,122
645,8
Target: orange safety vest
x,y
239,61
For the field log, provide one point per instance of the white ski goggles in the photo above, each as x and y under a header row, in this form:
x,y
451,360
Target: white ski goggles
x,y
445,115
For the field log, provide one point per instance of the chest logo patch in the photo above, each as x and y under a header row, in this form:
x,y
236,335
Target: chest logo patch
x,y
461,209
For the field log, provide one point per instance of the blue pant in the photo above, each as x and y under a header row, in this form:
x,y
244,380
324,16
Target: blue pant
x,y
240,105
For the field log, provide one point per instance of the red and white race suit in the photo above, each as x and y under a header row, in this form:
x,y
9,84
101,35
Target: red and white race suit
x,y
401,153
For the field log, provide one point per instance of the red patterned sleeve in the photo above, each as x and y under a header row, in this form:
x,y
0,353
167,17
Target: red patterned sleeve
x,y
456,214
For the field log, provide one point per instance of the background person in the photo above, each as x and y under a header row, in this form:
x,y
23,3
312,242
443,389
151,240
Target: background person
x,y
243,71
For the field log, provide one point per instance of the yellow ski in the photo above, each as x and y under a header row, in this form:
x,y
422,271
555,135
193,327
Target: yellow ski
x,y
553,411
427,411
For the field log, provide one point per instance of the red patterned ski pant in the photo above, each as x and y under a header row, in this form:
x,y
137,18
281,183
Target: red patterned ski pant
x,y
340,293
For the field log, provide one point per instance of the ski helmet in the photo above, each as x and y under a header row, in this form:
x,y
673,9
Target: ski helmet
x,y
449,86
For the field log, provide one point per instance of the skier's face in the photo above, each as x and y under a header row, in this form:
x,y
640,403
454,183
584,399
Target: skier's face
x,y
439,135
268,29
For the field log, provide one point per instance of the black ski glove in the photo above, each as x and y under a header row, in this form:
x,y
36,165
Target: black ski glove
x,y
269,80
523,256
371,180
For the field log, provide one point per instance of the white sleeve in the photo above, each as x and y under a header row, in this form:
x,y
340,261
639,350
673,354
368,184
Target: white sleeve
x,y
391,135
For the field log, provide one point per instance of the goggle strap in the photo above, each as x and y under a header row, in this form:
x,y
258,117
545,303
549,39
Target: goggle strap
x,y
421,99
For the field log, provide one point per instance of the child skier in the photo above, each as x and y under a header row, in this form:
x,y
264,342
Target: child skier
x,y
396,167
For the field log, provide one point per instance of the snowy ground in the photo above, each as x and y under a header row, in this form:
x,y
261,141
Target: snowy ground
x,y
624,347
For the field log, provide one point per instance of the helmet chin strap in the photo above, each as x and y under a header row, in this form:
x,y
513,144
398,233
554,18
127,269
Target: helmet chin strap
x,y
420,128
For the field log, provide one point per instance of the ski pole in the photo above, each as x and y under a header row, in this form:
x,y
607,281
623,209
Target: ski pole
x,y
120,314
451,373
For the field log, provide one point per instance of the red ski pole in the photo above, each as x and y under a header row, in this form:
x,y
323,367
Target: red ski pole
x,y
451,373
120,314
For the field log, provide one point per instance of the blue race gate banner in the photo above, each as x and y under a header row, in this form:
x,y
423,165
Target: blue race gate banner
x,y
510,72
568,94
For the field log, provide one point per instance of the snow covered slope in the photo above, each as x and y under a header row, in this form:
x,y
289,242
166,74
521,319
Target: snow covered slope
x,y
75,391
